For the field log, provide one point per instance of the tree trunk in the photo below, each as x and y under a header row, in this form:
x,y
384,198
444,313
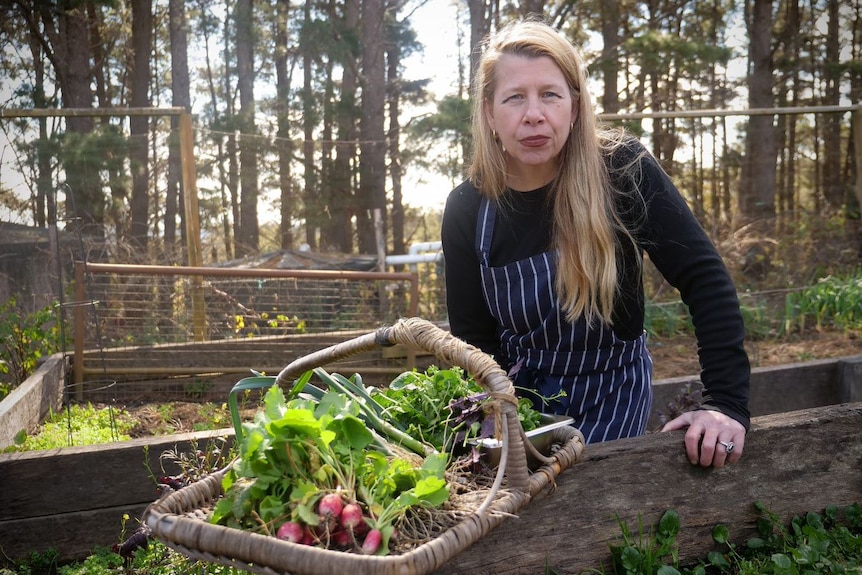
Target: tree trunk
x,y
479,28
70,46
312,212
610,16
343,199
142,43
833,187
372,167
534,7
285,144
393,61
44,211
757,185
223,162
180,97
118,179
229,121
328,224
248,240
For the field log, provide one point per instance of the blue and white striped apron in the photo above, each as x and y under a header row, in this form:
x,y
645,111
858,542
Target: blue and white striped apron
x,y
606,380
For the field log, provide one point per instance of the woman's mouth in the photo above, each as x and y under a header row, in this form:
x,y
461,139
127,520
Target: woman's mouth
x,y
534,141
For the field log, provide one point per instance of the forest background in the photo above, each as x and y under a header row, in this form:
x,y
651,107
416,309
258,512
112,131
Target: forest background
x,y
308,122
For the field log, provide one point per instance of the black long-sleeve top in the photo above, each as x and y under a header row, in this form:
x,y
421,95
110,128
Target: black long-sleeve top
x,y
663,226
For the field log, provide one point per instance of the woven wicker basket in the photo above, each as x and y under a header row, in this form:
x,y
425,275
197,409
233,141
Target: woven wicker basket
x,y
179,519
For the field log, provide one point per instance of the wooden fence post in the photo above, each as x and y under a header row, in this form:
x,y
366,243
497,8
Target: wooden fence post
x,y
193,226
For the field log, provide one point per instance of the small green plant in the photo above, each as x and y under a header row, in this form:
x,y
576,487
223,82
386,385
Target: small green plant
x,y
666,319
645,553
25,338
758,322
200,461
198,388
152,559
77,425
35,564
833,301
828,542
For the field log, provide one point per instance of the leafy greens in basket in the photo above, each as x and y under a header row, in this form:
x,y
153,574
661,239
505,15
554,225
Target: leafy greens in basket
x,y
445,407
297,453
308,458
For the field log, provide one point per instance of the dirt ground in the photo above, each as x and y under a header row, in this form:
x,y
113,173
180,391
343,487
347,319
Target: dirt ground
x,y
678,356
674,357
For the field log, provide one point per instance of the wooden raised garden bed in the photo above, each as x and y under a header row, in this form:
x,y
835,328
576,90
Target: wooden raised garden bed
x,y
804,452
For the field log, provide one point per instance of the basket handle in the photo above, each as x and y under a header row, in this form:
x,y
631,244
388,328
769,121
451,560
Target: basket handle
x,y
422,335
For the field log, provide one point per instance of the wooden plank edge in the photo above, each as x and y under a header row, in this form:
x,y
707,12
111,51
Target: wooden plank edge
x,y
793,463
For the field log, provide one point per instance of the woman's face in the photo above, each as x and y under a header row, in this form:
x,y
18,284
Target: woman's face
x,y
531,111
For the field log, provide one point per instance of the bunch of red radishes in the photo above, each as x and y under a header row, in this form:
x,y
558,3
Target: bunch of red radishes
x,y
342,526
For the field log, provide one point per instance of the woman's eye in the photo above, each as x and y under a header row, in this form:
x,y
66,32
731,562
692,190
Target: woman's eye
x,y
513,98
551,95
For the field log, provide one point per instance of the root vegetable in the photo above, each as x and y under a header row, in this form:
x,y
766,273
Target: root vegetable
x,y
308,537
291,531
330,506
351,516
371,543
343,539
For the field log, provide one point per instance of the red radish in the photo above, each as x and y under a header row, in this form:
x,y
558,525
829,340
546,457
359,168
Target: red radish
x,y
330,506
372,542
291,531
308,537
351,516
342,539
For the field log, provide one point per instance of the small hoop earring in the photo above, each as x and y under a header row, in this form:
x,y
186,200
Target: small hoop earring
x,y
494,134
572,127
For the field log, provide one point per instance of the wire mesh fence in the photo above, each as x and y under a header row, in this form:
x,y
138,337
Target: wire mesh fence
x,y
145,305
181,332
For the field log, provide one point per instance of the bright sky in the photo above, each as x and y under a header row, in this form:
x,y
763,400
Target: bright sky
x,y
436,29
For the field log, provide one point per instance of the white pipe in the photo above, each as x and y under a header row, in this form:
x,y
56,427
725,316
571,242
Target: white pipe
x,y
414,259
415,255
425,247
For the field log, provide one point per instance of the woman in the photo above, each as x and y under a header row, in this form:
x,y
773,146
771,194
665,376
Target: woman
x,y
543,249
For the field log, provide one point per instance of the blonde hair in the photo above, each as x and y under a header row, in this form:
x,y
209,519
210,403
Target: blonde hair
x,y
585,220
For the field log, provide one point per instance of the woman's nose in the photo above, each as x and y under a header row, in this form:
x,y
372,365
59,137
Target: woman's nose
x,y
534,113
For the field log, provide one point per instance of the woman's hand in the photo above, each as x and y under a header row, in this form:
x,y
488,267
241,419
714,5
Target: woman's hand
x,y
712,438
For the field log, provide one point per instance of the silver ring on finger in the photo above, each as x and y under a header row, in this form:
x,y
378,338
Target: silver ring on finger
x,y
728,445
